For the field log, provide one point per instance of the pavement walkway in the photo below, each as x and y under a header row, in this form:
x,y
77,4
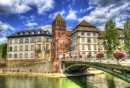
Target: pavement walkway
x,y
49,74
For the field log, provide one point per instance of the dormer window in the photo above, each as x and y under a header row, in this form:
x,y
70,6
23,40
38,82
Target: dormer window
x,y
17,34
47,32
38,32
32,32
91,28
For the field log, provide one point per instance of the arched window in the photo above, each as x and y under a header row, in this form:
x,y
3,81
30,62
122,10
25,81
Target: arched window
x,y
32,40
27,40
21,41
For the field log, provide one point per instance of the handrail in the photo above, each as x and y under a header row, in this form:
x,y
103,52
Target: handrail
x,y
123,61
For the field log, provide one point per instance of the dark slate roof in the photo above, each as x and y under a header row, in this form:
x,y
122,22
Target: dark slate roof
x,y
84,23
25,33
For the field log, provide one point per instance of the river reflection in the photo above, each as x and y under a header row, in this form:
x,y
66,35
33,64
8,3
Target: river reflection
x,y
99,81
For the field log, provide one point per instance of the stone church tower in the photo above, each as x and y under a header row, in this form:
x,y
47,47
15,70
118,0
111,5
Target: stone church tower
x,y
60,37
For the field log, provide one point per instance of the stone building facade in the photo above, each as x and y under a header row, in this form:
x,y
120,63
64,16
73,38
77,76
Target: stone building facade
x,y
86,38
29,44
60,37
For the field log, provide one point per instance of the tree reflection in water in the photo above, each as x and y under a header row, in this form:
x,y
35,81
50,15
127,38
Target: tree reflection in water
x,y
99,81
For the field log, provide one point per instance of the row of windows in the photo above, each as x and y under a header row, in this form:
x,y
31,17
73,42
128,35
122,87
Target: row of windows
x,y
89,40
74,48
74,35
25,55
121,35
21,48
88,34
33,32
122,41
21,55
74,41
89,47
32,40
27,47
61,23
89,28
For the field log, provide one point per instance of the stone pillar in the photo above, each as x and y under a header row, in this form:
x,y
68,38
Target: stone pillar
x,y
78,42
62,67
98,43
43,51
35,47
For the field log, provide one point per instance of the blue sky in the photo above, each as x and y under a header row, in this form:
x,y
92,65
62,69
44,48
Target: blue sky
x,y
17,15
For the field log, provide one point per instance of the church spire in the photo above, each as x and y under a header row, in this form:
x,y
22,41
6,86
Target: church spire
x,y
59,18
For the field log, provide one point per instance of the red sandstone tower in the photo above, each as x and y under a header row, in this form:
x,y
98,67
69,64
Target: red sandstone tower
x,y
60,37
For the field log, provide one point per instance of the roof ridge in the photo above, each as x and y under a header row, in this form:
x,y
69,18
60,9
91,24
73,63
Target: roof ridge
x,y
85,23
59,18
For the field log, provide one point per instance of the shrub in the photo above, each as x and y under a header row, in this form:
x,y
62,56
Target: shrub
x,y
100,55
52,71
63,58
89,55
52,59
57,58
118,55
80,56
75,57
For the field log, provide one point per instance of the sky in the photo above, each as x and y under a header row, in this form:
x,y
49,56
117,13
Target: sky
x,y
17,15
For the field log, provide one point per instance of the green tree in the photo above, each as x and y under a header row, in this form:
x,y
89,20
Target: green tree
x,y
126,33
3,50
110,37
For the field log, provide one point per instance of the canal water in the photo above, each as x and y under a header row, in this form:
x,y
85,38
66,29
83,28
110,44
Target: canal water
x,y
98,81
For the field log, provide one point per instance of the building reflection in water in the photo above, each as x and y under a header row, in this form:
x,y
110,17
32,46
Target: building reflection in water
x,y
100,81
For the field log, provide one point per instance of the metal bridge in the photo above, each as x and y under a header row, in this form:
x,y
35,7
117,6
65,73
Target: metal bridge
x,y
119,68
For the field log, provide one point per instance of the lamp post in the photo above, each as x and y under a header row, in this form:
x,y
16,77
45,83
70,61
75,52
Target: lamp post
x,y
56,46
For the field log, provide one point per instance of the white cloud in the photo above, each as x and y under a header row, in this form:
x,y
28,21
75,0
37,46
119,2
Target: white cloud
x,y
104,3
5,27
72,15
53,15
3,39
101,15
90,7
47,28
32,24
23,6
4,30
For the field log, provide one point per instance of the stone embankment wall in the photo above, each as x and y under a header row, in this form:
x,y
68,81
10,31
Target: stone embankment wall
x,y
22,62
2,63
26,65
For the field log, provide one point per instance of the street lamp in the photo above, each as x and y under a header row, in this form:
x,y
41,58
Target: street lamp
x,y
56,45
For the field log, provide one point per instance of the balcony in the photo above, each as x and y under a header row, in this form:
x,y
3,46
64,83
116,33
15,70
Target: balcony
x,y
38,50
